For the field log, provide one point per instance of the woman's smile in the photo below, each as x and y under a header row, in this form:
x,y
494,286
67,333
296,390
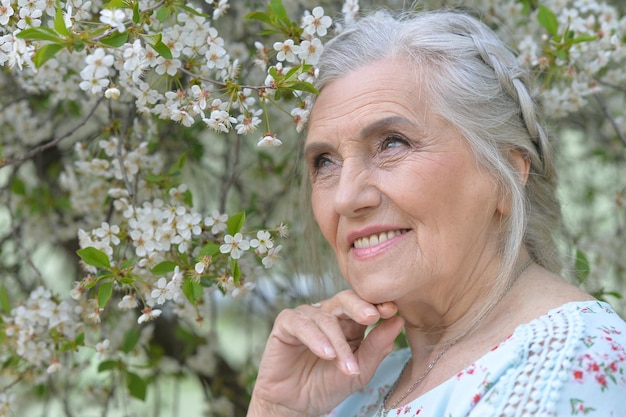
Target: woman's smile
x,y
376,239
396,191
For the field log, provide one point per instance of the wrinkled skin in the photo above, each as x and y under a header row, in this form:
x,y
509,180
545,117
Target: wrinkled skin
x,y
316,355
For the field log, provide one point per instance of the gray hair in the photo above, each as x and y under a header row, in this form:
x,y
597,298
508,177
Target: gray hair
x,y
478,86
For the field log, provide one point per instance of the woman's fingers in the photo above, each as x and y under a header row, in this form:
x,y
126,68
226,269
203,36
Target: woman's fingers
x,y
347,304
353,309
321,353
293,327
378,344
387,310
333,329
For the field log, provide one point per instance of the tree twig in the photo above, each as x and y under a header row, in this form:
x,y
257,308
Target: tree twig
x,y
230,180
39,149
607,114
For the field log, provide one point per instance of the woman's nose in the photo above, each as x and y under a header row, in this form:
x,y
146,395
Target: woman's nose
x,y
356,192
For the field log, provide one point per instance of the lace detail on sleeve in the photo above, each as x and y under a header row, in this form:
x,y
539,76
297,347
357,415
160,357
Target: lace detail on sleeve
x,y
550,353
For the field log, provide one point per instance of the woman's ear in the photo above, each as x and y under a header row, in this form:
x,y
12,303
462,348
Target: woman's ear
x,y
521,163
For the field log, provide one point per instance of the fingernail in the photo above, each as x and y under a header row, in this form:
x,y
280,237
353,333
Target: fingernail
x,y
370,311
352,367
329,351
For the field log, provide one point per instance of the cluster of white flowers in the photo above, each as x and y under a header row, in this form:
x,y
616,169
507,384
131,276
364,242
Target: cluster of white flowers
x,y
35,328
310,48
96,74
134,71
591,64
91,180
151,225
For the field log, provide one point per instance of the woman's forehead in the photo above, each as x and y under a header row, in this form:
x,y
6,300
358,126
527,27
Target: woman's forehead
x,y
376,94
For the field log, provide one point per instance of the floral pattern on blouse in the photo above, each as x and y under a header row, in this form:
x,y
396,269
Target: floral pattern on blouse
x,y
568,362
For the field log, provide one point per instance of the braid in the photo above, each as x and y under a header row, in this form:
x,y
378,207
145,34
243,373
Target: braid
x,y
513,81
544,208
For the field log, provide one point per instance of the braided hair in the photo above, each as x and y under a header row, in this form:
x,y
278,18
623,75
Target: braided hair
x,y
476,84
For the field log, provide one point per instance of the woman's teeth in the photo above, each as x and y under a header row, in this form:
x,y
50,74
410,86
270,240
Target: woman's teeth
x,y
372,240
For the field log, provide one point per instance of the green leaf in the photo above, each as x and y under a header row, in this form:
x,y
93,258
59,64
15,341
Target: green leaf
x,y
275,75
137,386
107,365
163,14
136,14
293,72
304,86
192,290
188,198
116,4
79,46
235,222
526,6
80,339
192,11
179,165
116,39
614,294
548,20
45,53
209,249
269,32
562,55
104,293
40,33
163,268
236,271
5,302
259,17
584,38
130,340
125,280
206,282
153,178
18,187
128,263
162,48
59,21
277,9
582,268
94,257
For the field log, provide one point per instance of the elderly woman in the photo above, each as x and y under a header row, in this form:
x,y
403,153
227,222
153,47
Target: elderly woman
x,y
433,181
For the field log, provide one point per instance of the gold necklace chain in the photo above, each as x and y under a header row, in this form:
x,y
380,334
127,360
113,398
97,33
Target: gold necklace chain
x,y
383,407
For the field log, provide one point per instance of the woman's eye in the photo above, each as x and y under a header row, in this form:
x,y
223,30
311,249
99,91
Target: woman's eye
x,y
393,142
320,162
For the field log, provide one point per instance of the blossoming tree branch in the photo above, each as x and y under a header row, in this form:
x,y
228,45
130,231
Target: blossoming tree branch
x,y
108,112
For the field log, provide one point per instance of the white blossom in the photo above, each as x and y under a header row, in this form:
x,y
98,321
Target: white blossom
x,y
216,221
316,22
148,314
268,141
263,241
128,302
272,256
234,245
114,18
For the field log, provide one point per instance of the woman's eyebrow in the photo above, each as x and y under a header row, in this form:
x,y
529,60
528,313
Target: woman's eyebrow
x,y
384,124
316,148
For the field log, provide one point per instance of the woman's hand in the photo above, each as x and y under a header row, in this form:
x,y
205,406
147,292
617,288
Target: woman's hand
x,y
316,355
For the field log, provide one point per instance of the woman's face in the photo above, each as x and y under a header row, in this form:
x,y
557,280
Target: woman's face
x,y
396,190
